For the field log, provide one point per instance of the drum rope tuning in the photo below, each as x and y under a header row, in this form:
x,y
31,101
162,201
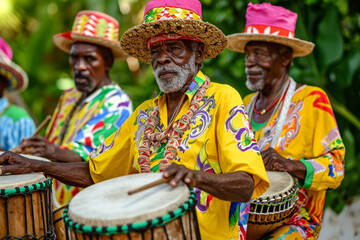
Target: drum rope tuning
x,y
7,196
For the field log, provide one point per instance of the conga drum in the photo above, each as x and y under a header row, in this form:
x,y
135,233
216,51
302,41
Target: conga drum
x,y
106,211
25,210
274,207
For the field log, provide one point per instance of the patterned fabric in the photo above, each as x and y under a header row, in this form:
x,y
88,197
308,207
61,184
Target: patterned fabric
x,y
311,135
166,13
96,24
15,124
218,141
96,118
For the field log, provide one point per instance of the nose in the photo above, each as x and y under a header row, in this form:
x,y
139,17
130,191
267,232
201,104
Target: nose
x,y
163,58
249,60
80,65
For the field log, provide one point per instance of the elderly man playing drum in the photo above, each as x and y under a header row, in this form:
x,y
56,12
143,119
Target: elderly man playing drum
x,y
96,108
294,124
194,131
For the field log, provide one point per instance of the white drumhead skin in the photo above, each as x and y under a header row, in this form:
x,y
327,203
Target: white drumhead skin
x,y
9,181
280,182
108,204
35,157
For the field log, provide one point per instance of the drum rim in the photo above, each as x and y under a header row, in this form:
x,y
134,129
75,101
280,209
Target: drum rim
x,y
27,189
137,226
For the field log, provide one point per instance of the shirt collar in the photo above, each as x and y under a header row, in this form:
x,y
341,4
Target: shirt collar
x,y
4,102
195,84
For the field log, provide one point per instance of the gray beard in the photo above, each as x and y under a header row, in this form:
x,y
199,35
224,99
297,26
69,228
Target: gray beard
x,y
258,86
179,80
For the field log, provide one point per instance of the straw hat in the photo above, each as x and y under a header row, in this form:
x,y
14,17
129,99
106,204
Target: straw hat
x,y
269,23
14,74
92,27
179,19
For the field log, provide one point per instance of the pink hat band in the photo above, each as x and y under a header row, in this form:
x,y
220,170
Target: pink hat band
x,y
271,30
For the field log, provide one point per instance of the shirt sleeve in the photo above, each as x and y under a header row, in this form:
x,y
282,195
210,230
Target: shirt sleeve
x,y
326,170
238,149
113,158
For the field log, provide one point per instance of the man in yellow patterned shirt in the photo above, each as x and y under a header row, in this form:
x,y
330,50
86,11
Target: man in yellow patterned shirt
x,y
195,130
293,123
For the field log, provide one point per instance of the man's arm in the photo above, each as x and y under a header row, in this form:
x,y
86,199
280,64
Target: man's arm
x,y
236,186
75,174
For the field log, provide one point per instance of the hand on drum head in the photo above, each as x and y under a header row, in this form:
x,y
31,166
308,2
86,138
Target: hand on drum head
x,y
180,173
15,164
274,161
38,146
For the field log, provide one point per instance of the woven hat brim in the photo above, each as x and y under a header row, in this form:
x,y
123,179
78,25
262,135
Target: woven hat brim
x,y
64,44
17,72
238,41
134,40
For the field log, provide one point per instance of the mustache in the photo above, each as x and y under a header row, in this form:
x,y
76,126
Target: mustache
x,y
256,70
164,68
80,75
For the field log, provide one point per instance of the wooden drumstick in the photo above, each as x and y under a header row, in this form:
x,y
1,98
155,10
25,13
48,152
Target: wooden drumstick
x,y
38,129
150,185
42,125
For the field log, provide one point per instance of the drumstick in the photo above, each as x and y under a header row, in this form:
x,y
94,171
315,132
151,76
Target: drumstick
x,y
38,129
150,185
42,125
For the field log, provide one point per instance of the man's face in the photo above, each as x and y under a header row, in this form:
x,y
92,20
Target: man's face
x,y
262,65
173,63
89,67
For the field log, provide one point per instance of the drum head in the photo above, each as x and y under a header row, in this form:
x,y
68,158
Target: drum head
x,y
10,181
280,182
108,204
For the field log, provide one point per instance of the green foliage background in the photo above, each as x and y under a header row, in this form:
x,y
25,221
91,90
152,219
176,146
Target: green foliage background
x,y
333,25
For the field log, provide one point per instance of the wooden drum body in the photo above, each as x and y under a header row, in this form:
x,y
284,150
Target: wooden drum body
x,y
106,211
25,206
274,207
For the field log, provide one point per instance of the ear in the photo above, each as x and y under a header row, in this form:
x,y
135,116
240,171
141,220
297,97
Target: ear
x,y
286,58
199,53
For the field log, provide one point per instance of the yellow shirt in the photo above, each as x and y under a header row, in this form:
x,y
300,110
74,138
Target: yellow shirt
x,y
219,140
310,134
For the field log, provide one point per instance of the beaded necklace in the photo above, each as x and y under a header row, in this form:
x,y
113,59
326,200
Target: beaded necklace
x,y
172,135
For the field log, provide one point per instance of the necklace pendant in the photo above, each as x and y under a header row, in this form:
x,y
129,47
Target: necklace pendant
x,y
263,112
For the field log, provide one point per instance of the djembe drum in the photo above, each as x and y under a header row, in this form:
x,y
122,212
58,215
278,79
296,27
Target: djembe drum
x,y
274,207
106,211
25,211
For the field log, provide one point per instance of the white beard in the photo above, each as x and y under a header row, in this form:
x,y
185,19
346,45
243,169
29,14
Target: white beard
x,y
258,86
180,78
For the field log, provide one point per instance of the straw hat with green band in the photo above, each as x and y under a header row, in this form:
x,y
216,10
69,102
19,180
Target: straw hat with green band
x,y
173,16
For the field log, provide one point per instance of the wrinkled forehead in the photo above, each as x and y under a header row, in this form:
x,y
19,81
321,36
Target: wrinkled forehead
x,y
173,42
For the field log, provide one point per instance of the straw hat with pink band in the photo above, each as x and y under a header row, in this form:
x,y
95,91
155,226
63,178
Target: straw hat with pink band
x,y
269,23
92,27
14,74
172,19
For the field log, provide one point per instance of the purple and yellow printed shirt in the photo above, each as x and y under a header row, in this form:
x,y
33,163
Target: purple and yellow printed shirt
x,y
311,135
15,124
96,118
218,141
